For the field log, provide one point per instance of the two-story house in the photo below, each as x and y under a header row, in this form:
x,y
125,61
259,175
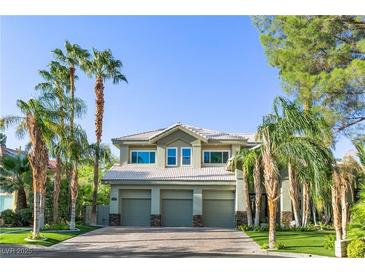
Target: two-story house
x,y
177,177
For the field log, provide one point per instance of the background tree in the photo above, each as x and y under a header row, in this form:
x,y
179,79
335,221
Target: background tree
x,y
2,139
102,66
321,61
16,176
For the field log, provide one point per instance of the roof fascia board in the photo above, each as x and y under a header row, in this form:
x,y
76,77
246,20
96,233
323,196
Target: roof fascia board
x,y
172,129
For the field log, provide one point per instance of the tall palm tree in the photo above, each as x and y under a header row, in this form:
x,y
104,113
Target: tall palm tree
x,y
15,176
74,56
37,121
284,136
54,90
103,66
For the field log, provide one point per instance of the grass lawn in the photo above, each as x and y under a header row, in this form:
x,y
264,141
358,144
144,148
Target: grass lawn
x,y
309,242
18,237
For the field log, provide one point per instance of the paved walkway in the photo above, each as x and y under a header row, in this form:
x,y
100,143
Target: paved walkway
x,y
154,242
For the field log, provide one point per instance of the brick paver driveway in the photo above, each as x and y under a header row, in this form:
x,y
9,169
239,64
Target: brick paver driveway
x,y
155,242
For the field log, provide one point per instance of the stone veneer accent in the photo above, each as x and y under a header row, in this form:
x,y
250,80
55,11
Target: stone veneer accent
x,y
241,218
114,219
197,220
155,219
285,218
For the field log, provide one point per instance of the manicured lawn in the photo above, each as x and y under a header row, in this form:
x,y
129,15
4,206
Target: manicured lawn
x,y
309,242
52,237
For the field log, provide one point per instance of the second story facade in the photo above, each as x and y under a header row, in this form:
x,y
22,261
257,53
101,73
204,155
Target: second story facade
x,y
180,145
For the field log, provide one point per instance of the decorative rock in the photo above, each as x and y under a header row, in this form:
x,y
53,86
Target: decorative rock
x,y
197,220
114,219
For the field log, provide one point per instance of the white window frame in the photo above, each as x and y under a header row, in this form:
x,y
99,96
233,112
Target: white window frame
x,y
167,156
181,155
215,150
137,150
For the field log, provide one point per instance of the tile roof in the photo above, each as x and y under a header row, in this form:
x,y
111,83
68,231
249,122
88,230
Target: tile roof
x,y
150,173
208,134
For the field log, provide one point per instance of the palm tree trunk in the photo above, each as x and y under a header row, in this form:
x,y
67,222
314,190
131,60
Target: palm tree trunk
x,y
21,198
74,192
41,208
38,159
335,191
344,209
36,203
246,195
306,207
56,188
314,213
294,196
272,203
99,94
258,190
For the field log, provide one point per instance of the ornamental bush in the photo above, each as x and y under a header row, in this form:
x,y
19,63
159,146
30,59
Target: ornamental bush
x,y
356,249
9,217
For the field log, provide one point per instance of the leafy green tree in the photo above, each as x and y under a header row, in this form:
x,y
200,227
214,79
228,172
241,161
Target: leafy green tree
x,y
103,66
321,62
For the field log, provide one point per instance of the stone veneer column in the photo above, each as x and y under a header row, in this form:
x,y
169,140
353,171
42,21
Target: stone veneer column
x,y
286,215
197,207
155,207
114,215
241,213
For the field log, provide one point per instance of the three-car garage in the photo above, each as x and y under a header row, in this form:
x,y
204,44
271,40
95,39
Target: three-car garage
x,y
176,208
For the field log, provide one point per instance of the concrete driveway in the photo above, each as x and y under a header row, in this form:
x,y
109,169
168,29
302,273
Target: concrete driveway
x,y
155,242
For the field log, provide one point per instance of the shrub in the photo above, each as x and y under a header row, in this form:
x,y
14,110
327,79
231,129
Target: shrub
x,y
55,227
265,246
280,245
329,242
25,216
9,217
356,249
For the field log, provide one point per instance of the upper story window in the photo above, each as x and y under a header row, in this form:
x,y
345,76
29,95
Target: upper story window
x,y
185,156
143,157
216,157
171,156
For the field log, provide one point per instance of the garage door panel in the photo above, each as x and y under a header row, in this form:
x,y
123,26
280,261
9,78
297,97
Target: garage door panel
x,y
218,212
136,212
177,212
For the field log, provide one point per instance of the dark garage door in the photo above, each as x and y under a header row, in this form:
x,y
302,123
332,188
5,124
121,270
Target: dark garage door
x,y
136,212
177,212
218,212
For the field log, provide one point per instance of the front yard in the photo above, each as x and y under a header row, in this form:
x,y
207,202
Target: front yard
x,y
18,235
309,242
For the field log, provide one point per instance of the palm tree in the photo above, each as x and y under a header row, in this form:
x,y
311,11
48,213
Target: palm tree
x,y
74,56
37,121
54,90
103,66
285,137
2,139
241,158
15,176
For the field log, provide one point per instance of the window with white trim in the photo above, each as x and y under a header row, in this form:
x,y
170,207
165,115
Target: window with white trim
x,y
186,156
143,157
171,156
216,157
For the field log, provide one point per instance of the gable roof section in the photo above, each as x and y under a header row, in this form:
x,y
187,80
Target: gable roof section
x,y
203,134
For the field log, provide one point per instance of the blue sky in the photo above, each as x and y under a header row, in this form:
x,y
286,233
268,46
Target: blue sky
x,y
207,71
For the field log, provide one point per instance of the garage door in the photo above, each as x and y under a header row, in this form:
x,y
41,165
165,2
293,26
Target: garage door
x,y
218,208
136,212
177,212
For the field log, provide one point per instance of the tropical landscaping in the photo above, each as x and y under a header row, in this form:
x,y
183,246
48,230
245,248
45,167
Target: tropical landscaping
x,y
321,65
